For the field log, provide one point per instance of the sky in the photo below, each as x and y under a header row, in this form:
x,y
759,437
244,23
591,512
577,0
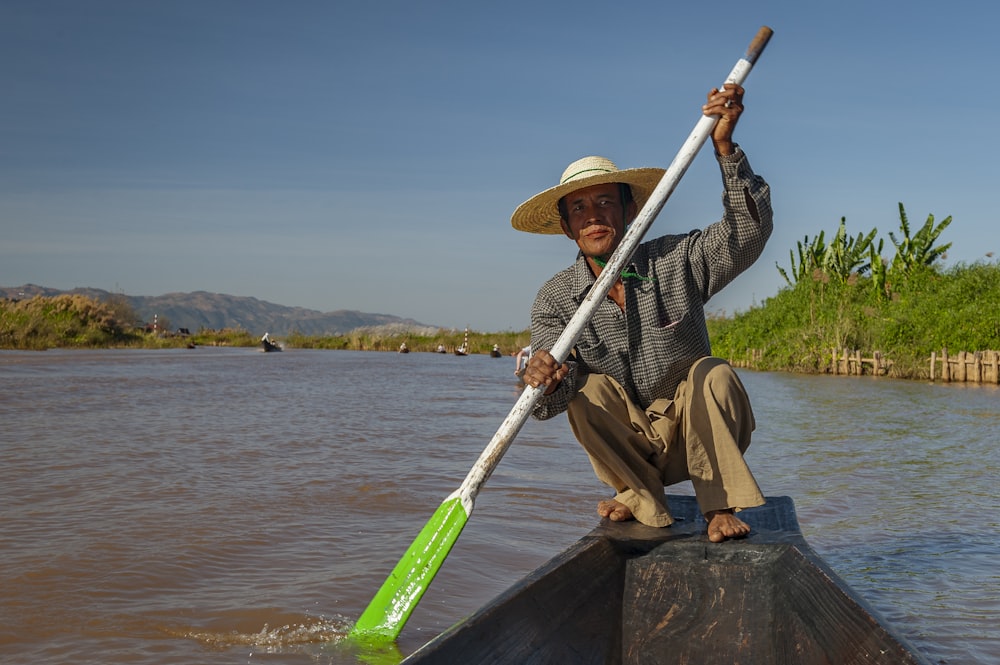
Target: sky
x,y
368,155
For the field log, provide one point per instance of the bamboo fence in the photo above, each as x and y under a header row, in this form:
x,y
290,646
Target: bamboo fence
x,y
852,363
980,367
967,367
845,362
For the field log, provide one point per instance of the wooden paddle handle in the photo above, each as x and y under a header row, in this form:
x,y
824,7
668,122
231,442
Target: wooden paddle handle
x,y
759,42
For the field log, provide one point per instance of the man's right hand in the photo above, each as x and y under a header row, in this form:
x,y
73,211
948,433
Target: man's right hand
x,y
543,370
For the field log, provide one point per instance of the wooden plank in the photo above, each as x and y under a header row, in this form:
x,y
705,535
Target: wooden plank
x,y
697,599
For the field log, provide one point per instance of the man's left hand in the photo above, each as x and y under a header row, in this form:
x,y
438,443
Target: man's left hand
x,y
728,105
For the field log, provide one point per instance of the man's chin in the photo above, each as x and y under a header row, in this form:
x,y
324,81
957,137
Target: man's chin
x,y
602,252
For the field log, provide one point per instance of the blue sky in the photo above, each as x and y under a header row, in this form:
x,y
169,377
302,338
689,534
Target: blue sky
x,y
367,156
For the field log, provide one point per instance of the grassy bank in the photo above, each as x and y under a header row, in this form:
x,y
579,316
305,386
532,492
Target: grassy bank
x,y
66,321
843,294
367,340
957,309
78,322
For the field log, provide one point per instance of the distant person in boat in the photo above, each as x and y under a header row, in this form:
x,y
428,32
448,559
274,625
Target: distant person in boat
x,y
642,392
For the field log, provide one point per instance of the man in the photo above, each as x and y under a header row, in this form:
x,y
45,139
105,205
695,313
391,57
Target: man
x,y
642,393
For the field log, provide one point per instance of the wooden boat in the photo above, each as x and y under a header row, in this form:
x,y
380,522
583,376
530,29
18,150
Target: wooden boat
x,y
495,353
631,594
268,345
464,349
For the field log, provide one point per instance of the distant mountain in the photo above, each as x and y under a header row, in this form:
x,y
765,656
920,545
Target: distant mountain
x,y
216,311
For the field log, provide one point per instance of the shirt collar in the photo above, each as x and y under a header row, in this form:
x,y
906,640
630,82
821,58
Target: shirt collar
x,y
583,278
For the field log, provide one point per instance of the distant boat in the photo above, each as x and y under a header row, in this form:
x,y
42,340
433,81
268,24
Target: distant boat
x,y
441,349
269,345
464,349
495,352
403,348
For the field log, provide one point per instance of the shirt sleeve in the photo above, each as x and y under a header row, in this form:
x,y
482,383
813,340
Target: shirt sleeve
x,y
730,246
548,320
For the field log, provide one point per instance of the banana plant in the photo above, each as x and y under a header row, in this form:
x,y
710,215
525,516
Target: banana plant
x,y
847,255
918,250
879,269
840,259
810,258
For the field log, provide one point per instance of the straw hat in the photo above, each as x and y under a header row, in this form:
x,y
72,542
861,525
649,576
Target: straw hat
x,y
540,213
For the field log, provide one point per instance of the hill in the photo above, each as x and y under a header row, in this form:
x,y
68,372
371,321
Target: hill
x,y
216,311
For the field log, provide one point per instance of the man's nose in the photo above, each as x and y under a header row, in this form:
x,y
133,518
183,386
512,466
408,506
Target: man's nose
x,y
591,214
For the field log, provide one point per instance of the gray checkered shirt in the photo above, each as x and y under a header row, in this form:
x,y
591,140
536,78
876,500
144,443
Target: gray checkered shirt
x,y
650,346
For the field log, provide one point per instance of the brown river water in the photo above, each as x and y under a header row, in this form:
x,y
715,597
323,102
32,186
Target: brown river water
x,y
229,506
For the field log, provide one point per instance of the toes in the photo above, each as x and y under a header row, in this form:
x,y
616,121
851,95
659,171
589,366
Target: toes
x,y
723,525
614,511
604,509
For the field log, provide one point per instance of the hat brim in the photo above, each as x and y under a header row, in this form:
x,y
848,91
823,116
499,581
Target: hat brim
x,y
540,213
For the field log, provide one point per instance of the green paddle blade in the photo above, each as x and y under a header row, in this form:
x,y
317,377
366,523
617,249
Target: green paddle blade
x,y
391,607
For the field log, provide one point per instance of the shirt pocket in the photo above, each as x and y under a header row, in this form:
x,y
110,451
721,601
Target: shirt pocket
x,y
676,333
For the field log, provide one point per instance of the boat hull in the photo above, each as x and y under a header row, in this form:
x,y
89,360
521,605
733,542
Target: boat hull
x,y
632,594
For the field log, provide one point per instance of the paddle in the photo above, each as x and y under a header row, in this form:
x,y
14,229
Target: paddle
x,y
395,600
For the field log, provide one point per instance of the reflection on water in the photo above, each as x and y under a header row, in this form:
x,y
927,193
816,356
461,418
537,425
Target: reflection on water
x,y
224,505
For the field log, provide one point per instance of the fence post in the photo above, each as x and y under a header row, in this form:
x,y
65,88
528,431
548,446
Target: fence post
x,y
933,362
945,366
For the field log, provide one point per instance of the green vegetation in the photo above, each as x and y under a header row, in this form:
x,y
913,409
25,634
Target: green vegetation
x,y
75,321
372,340
64,321
841,295
846,296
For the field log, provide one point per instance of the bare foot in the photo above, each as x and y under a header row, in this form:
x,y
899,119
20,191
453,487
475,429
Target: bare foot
x,y
614,510
723,524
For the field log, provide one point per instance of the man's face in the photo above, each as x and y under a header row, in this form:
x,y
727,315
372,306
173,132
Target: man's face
x,y
596,219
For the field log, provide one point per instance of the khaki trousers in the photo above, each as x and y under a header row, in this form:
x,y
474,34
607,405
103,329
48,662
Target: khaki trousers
x,y
700,435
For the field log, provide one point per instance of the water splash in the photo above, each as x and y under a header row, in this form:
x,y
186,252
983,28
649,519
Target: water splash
x,y
321,639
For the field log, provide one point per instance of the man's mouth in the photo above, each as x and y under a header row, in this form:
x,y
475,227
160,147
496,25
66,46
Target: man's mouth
x,y
595,232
